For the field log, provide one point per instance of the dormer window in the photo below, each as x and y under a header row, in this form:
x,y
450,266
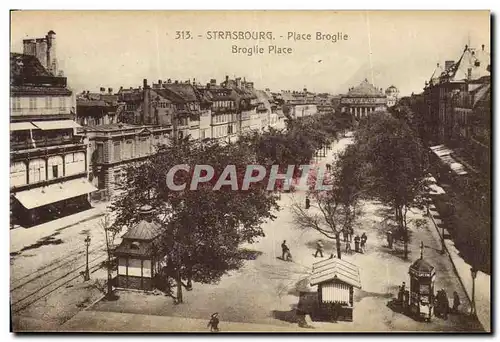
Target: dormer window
x,y
134,245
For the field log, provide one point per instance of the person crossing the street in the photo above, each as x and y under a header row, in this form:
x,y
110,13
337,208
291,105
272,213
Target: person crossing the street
x,y
319,249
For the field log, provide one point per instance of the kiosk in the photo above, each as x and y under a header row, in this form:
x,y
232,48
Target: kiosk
x,y
422,277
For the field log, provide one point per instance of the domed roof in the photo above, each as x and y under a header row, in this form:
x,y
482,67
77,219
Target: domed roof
x,y
421,266
392,88
365,89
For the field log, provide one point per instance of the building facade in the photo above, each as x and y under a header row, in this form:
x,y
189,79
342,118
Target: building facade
x,y
363,100
49,160
114,147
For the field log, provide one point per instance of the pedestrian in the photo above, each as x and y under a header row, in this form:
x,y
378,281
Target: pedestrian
x,y
214,322
389,239
308,202
445,304
401,292
284,250
363,242
345,232
356,244
319,248
456,301
332,256
351,233
348,248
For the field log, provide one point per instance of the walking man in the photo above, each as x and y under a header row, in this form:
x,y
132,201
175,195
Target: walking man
x,y
214,322
319,249
284,250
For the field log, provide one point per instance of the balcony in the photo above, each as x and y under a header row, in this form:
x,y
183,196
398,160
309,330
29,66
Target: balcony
x,y
45,142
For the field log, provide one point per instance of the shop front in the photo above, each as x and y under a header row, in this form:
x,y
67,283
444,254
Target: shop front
x,y
42,204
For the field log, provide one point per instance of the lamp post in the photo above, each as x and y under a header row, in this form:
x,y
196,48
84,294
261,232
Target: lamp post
x,y
87,244
473,273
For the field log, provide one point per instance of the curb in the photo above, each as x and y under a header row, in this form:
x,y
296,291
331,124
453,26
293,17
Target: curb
x,y
455,268
451,259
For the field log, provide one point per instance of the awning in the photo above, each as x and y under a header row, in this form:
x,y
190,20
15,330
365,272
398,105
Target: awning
x,y
444,153
34,198
57,124
21,126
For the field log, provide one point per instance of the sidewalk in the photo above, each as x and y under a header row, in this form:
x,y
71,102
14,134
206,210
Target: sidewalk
x,y
462,269
98,321
22,237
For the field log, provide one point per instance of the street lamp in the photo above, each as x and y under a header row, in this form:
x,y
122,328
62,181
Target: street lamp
x,y
473,273
87,244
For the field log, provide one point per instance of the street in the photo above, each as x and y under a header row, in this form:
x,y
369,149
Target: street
x,y
265,291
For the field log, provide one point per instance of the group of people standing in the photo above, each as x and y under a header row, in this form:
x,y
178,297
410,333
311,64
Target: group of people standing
x,y
359,241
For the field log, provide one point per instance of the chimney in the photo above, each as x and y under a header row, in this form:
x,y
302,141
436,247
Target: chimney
x,y
176,82
482,47
169,81
448,64
194,81
466,47
437,65
51,52
213,81
121,88
102,90
110,91
159,82
227,78
145,83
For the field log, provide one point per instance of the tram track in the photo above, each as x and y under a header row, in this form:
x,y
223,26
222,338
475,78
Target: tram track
x,y
52,266
44,284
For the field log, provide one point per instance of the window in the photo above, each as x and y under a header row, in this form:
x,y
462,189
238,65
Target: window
x,y
116,150
62,103
32,103
16,103
37,170
17,174
55,172
48,102
100,152
134,245
55,164
127,151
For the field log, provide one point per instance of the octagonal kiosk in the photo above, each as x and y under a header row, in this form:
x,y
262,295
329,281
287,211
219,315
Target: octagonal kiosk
x,y
422,277
138,258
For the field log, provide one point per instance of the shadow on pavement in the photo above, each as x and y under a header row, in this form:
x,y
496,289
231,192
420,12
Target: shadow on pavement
x,y
286,316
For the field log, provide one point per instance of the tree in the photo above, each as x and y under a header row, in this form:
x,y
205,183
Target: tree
x,y
336,209
202,229
396,165
110,235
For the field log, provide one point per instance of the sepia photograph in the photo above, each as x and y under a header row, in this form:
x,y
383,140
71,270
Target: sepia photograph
x,y
250,171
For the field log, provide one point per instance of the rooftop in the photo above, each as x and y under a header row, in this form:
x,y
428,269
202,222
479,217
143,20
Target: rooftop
x,y
365,89
331,269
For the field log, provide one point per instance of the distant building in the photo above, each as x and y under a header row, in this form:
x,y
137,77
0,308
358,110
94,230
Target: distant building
x,y
392,94
363,100
99,108
49,163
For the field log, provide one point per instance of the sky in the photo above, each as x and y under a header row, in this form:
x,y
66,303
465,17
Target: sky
x,y
121,48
